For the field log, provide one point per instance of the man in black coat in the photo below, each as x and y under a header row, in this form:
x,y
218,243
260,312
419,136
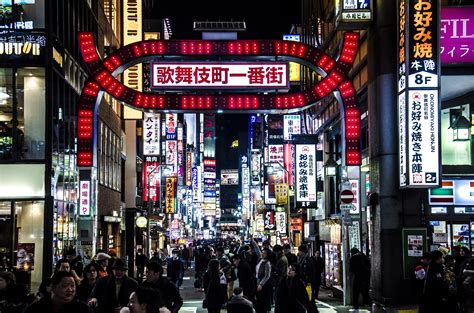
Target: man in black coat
x,y
359,267
112,292
435,293
291,257
168,290
246,278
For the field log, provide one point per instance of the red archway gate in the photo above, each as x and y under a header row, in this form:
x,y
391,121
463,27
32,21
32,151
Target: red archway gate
x,y
103,74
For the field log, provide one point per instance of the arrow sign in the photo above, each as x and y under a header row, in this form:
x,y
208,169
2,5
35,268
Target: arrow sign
x,y
347,196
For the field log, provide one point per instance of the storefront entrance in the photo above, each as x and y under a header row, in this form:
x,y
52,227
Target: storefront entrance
x,y
453,233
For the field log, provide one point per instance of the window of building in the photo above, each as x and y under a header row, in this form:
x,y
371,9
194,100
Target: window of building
x,y
22,14
22,113
21,243
109,149
454,152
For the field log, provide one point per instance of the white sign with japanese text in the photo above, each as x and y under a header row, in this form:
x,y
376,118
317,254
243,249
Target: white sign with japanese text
x,y
291,126
422,137
85,189
220,75
306,173
151,134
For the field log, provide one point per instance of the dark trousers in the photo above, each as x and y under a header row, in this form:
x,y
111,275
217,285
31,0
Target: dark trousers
x,y
357,289
213,310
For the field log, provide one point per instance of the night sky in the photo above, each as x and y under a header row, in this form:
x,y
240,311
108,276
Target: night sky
x,y
265,19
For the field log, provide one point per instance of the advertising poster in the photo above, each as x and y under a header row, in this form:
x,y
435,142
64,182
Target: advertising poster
x,y
415,245
25,257
414,242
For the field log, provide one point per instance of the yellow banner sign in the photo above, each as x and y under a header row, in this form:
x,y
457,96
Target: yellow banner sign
x,y
281,192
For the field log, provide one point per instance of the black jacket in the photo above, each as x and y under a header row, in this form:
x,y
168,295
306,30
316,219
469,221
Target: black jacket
x,y
105,293
246,279
84,290
169,293
215,292
45,305
291,296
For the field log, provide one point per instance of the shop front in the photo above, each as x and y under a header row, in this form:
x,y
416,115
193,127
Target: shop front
x,y
451,215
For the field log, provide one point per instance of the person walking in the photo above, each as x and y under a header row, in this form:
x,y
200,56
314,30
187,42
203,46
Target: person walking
x,y
175,269
140,260
87,284
215,287
264,284
359,267
226,267
247,281
62,298
307,268
112,292
318,262
435,291
291,294
167,289
291,257
281,266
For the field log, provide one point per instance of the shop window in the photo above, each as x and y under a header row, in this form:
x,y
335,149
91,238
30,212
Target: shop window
x,y
22,14
6,239
454,152
30,93
28,259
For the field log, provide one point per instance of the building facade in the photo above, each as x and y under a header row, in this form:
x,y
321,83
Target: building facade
x,y
42,77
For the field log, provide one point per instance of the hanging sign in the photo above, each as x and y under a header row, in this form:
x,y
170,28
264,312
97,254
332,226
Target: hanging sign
x,y
418,88
85,189
305,175
151,134
170,195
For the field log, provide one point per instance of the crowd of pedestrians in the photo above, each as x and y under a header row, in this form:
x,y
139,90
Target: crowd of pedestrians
x,y
241,277
267,277
445,282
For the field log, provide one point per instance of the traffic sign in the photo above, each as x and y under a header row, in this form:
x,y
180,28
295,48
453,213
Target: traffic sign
x,y
347,196
346,206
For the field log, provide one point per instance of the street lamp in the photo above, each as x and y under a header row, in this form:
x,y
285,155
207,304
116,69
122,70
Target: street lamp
x,y
461,127
330,167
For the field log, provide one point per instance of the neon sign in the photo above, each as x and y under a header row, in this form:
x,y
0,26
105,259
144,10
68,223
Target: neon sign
x,y
104,72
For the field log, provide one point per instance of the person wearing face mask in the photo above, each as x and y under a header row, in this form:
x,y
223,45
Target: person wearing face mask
x,y
62,298
175,269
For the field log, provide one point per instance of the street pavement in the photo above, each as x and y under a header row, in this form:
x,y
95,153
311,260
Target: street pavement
x,y
193,299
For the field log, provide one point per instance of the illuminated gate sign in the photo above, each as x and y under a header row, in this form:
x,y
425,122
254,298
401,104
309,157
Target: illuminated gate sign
x,y
219,75
104,73
85,190
418,89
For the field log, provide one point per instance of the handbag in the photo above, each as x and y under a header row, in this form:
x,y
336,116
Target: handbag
x,y
309,290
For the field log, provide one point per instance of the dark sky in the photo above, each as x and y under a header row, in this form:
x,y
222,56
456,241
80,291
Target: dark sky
x,y
265,19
